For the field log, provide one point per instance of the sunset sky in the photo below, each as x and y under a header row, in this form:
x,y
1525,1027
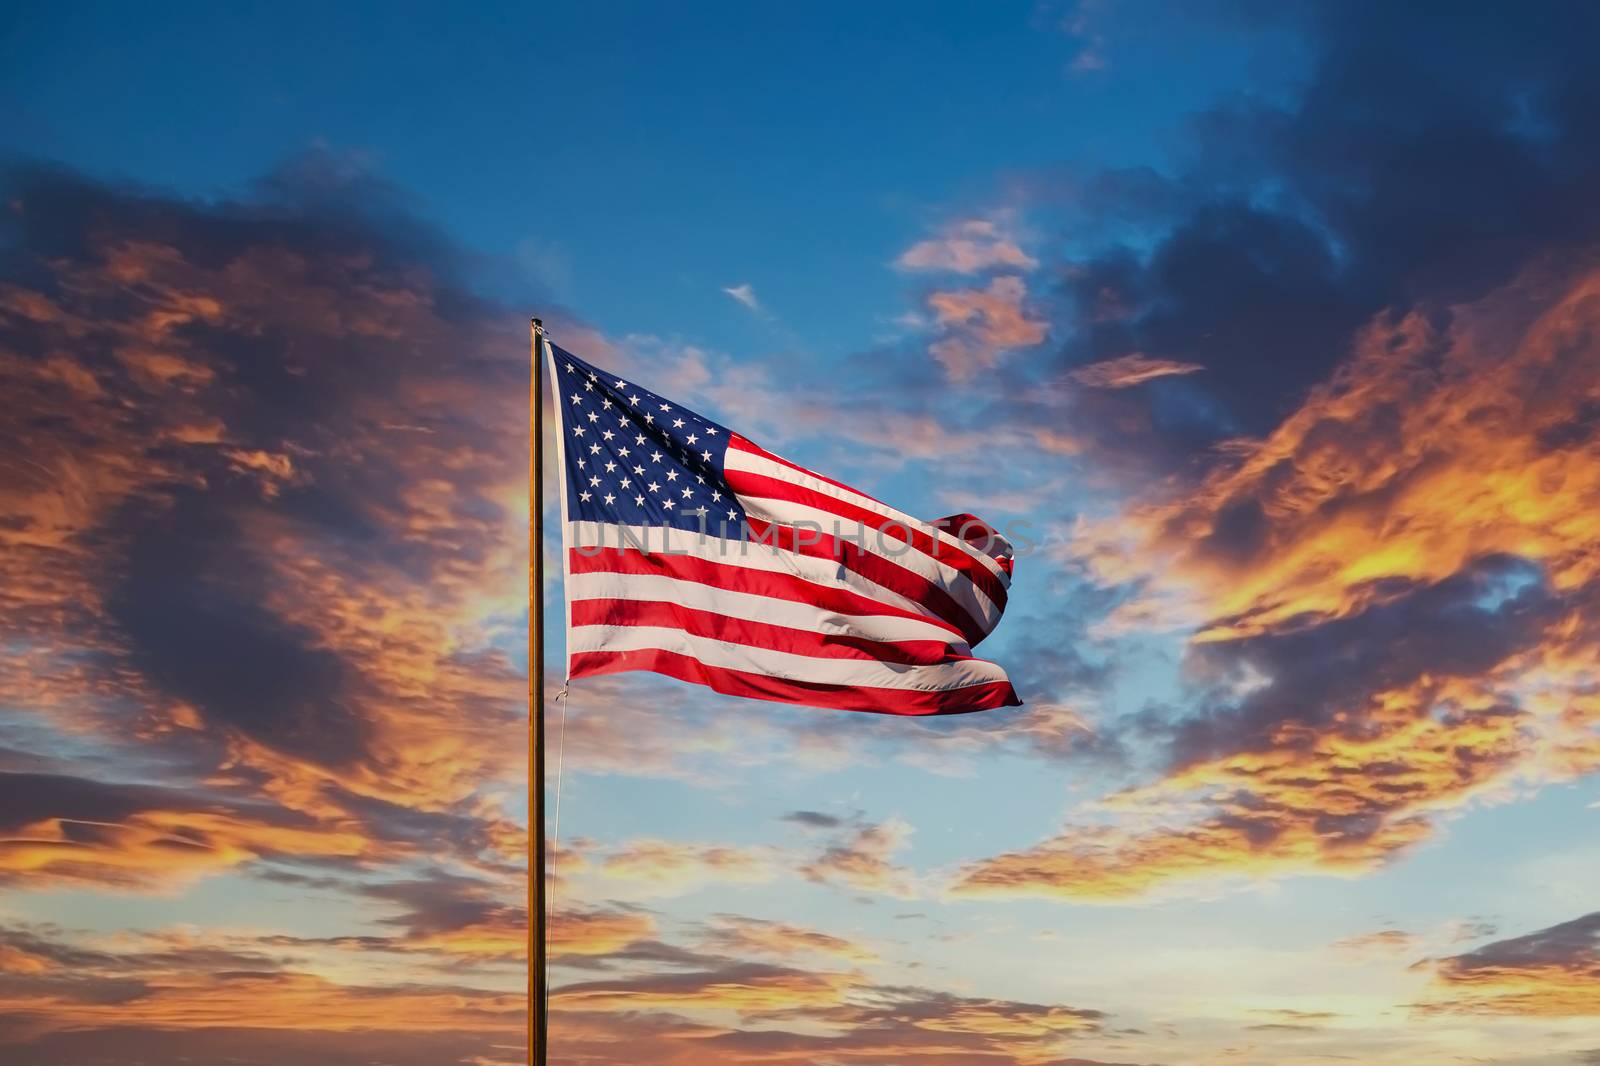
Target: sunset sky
x,y
1274,329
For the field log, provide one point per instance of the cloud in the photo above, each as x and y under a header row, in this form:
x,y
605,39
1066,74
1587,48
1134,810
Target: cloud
x,y
178,981
67,830
585,931
264,518
263,547
1378,942
1127,371
981,325
673,1012
745,295
967,247
742,937
1405,566
861,860
1553,973
653,867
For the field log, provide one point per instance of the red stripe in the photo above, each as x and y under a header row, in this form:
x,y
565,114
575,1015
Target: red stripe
x,y
980,697
874,568
734,578
744,444
761,486
765,635
978,533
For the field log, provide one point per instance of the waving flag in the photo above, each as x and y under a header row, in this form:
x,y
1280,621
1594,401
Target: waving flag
x,y
691,551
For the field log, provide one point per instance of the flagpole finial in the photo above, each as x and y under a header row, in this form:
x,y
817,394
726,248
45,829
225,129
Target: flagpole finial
x,y
538,323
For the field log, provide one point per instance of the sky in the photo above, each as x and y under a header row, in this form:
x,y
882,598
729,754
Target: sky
x,y
1271,329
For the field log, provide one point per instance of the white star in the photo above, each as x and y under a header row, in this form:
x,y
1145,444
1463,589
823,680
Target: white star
x,y
639,470
656,458
610,466
733,514
701,511
653,487
593,377
716,497
650,419
639,439
571,369
608,434
622,420
626,482
666,407
576,398
638,501
711,430
610,498
672,475
623,452
706,456
677,423
698,480
588,386
621,384
594,482
593,417
634,400
667,504
577,431
594,449
690,439
584,496
606,403
687,493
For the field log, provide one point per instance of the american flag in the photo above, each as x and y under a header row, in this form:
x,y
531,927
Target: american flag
x,y
693,552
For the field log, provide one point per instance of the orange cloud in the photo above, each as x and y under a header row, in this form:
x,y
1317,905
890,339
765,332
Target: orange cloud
x,y
1392,597
862,861
1380,942
260,511
749,936
1129,370
967,247
178,981
981,325
1554,973
577,931
744,989
670,868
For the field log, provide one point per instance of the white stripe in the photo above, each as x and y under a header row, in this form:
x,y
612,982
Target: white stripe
x,y
985,612
750,462
786,665
745,553
750,607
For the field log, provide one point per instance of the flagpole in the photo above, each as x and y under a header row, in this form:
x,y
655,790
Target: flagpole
x,y
538,1019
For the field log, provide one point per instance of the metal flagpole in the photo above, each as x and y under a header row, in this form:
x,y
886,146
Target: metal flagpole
x,y
538,1020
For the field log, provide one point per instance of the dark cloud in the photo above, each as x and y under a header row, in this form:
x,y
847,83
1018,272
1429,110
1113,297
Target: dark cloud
x,y
197,632
1570,943
1462,626
1553,973
814,819
262,493
1433,151
261,1047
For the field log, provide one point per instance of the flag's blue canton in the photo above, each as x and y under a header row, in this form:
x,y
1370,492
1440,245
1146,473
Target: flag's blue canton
x,y
636,459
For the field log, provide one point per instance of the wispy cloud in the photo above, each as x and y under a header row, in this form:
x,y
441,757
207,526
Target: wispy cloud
x,y
1129,370
745,294
967,247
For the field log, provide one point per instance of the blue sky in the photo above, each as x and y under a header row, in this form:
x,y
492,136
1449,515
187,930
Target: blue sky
x,y
1275,326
